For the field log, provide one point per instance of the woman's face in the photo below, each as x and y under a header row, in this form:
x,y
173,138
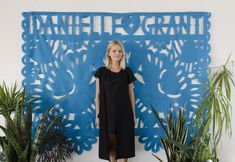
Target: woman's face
x,y
116,53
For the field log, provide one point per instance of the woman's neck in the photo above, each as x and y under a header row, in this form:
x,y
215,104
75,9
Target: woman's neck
x,y
115,66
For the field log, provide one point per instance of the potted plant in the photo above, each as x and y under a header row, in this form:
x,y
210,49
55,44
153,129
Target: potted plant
x,y
17,144
216,103
178,144
213,112
55,146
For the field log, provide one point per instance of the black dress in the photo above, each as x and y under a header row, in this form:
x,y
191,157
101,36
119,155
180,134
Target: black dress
x,y
116,115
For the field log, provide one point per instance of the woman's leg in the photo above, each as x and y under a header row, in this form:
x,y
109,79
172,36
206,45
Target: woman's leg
x,y
112,148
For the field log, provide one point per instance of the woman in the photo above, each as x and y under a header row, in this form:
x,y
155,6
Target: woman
x,y
115,106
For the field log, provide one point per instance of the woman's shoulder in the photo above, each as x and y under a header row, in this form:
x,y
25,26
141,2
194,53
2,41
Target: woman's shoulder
x,y
130,75
102,68
100,71
128,68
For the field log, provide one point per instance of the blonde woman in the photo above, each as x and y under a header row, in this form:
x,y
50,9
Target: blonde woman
x,y
115,106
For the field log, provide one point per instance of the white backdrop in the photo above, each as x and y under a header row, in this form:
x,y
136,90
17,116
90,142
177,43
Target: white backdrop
x,y
222,42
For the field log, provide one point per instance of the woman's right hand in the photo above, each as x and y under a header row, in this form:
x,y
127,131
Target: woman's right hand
x,y
97,121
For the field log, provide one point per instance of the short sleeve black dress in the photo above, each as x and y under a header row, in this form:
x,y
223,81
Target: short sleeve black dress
x,y
116,115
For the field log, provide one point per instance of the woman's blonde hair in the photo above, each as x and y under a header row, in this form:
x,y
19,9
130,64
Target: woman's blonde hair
x,y
108,60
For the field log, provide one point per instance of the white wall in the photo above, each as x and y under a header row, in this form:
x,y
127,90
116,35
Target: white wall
x,y
222,42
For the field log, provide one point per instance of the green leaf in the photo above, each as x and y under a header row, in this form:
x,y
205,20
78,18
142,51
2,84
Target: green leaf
x,y
12,140
159,159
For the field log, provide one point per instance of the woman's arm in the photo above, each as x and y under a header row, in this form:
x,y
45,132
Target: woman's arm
x,y
97,97
132,97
